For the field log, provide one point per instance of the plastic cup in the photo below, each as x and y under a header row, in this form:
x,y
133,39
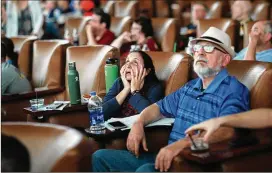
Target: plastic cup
x,y
200,145
36,104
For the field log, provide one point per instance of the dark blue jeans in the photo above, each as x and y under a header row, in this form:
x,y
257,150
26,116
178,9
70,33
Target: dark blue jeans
x,y
107,160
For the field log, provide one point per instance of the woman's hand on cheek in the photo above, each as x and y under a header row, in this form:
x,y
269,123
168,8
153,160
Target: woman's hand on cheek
x,y
137,81
123,77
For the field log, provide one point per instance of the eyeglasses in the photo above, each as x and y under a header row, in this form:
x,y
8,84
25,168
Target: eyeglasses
x,y
206,48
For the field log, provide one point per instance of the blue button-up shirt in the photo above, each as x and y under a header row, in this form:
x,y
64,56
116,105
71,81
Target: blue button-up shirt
x,y
190,105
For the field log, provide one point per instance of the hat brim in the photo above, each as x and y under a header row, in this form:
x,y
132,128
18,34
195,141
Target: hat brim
x,y
227,49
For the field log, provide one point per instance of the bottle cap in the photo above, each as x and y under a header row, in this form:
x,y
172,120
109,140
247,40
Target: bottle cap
x,y
72,65
112,61
92,93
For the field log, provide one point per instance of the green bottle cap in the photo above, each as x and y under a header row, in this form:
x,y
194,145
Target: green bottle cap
x,y
72,65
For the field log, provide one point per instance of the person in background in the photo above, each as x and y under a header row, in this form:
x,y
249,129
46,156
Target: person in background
x,y
250,120
98,28
62,12
241,11
24,17
214,94
15,156
87,7
260,43
198,12
51,28
12,80
137,88
140,35
12,57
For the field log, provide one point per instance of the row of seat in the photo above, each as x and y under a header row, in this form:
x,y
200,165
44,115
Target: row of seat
x,y
173,69
162,9
166,30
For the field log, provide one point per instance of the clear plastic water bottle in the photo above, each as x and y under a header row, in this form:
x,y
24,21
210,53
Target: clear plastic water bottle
x,y
96,114
75,37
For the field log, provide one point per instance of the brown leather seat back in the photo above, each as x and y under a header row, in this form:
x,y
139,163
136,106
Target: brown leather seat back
x,y
165,32
171,68
77,23
90,62
120,24
261,10
257,76
126,8
228,25
108,7
51,147
24,46
49,63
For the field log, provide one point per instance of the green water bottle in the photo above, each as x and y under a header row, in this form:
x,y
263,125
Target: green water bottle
x,y
73,83
111,72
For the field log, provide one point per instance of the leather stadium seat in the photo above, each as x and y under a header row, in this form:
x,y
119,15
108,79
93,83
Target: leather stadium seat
x,y
261,10
165,31
126,8
79,24
257,76
171,68
48,69
23,45
120,24
230,26
108,7
90,62
52,147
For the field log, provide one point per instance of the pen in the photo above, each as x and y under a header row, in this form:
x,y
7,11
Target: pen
x,y
59,106
192,141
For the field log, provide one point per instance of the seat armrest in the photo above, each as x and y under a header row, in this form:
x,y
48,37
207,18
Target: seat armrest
x,y
32,94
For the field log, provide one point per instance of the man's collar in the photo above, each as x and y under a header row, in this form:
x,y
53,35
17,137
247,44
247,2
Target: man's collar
x,y
215,82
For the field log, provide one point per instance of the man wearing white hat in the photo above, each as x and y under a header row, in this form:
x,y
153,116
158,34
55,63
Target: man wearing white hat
x,y
215,93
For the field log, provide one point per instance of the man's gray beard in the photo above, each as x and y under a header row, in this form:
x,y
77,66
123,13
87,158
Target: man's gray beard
x,y
205,72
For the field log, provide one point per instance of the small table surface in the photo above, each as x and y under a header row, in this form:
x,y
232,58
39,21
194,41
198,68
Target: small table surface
x,y
68,108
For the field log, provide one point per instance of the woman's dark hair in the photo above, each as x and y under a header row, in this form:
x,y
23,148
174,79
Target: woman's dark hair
x,y
148,64
146,25
10,50
3,51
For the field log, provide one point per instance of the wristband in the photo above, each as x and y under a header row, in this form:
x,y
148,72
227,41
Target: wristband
x,y
135,92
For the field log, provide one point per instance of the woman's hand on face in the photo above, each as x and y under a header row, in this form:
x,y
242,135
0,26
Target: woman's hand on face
x,y
137,78
123,77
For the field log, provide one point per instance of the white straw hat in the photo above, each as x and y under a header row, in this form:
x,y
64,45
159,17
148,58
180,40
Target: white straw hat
x,y
216,36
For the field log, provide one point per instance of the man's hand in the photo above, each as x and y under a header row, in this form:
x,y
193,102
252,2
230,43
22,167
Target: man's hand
x,y
137,78
209,126
166,155
254,35
135,137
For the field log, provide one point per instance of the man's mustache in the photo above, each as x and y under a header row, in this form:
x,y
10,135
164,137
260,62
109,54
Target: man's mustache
x,y
200,58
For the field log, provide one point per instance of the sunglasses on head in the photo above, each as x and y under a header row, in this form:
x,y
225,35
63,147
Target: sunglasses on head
x,y
206,48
